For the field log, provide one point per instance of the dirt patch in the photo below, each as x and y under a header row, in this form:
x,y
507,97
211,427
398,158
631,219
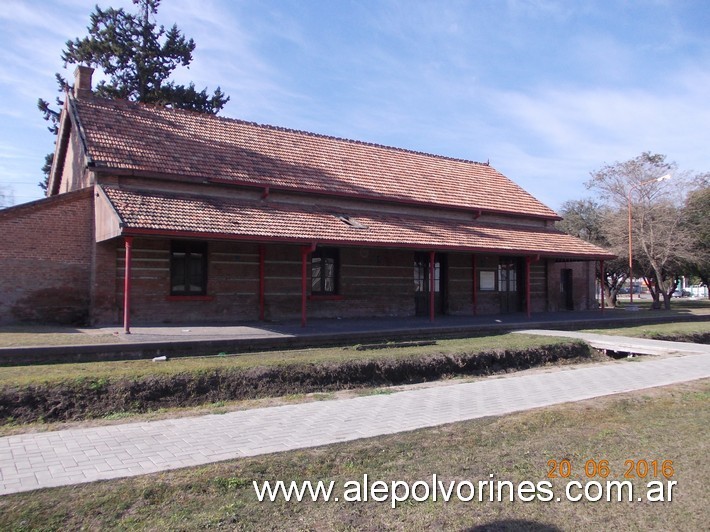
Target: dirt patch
x,y
90,398
692,337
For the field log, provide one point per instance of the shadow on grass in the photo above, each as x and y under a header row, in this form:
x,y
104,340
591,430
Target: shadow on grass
x,y
514,525
679,306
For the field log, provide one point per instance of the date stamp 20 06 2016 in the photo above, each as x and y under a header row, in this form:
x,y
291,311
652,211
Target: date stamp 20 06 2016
x,y
651,471
601,469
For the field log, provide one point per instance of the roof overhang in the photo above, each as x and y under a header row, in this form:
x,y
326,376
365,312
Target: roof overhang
x,y
151,213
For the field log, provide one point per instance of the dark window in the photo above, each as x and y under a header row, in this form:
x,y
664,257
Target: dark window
x,y
188,268
421,273
507,276
324,271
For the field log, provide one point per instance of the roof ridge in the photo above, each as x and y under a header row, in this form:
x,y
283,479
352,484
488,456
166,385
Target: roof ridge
x,y
272,127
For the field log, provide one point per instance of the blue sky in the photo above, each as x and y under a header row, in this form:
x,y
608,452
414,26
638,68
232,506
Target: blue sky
x,y
546,90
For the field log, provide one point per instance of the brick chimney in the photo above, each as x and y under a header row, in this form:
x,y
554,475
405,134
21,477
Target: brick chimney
x,y
82,81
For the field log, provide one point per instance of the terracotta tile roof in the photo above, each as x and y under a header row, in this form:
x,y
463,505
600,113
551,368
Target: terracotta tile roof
x,y
146,139
150,212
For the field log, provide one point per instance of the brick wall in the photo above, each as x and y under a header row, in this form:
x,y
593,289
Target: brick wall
x,y
583,295
488,302
45,259
232,286
538,286
282,292
372,283
103,308
460,284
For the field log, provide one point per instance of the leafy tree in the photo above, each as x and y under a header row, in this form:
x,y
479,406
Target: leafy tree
x,y
697,214
661,241
584,219
138,57
588,219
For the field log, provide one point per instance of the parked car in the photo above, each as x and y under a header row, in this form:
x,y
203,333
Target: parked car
x,y
625,290
681,293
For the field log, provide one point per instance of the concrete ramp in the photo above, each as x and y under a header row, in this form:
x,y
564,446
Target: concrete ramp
x,y
627,344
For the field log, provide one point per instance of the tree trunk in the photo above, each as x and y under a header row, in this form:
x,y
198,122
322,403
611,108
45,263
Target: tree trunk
x,y
662,287
705,280
655,295
666,300
656,304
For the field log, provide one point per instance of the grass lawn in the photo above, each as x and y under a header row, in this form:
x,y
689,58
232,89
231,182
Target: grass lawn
x,y
44,395
36,374
23,375
679,306
51,385
663,329
657,424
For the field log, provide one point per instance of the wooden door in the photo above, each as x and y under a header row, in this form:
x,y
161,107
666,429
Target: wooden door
x,y
566,294
422,283
510,285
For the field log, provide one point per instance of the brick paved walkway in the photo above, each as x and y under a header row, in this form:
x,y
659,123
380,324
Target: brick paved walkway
x,y
32,461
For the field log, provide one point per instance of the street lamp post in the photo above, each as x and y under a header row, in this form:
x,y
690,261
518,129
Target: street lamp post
x,y
628,198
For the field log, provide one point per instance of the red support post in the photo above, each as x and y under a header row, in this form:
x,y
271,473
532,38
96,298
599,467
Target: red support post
x,y
474,268
304,286
262,286
527,286
601,284
127,285
432,258
631,260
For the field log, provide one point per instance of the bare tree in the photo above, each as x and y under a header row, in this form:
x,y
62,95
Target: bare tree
x,y
665,246
6,197
661,242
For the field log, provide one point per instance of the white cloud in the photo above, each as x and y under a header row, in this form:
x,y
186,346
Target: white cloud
x,y
573,118
561,135
548,90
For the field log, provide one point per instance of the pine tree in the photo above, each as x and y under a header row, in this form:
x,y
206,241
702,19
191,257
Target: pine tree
x,y
138,57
